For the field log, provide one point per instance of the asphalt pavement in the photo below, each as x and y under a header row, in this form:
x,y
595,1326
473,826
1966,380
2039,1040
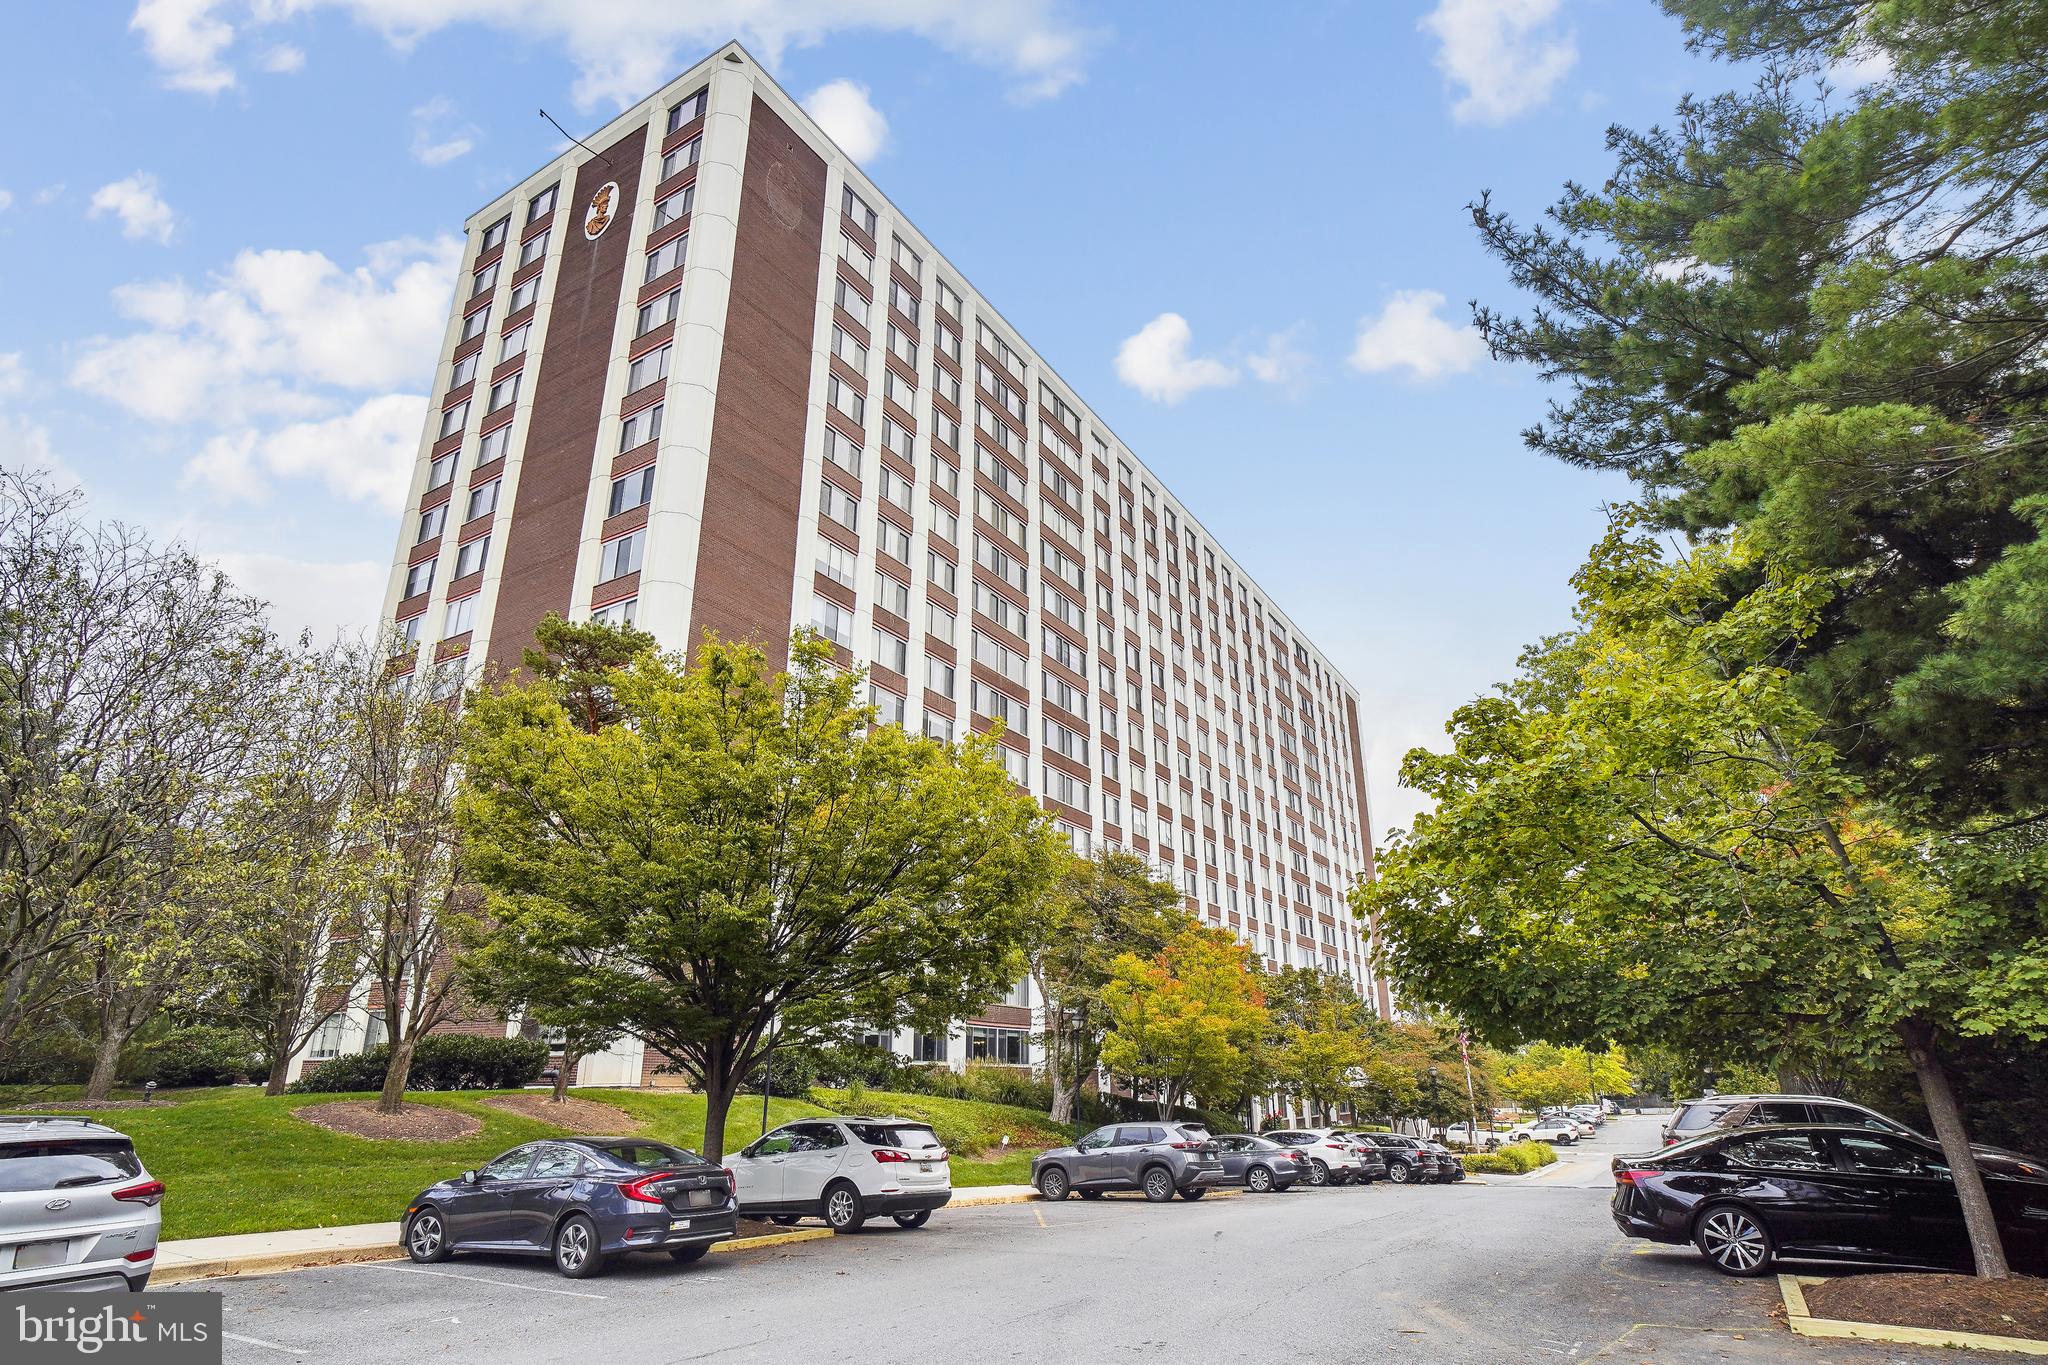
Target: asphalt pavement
x,y
1509,1271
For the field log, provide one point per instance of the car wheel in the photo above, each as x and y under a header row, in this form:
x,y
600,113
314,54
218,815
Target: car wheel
x,y
1191,1195
1734,1240
1089,1194
1258,1180
1318,1173
689,1255
784,1220
914,1220
1053,1184
1397,1171
426,1237
1158,1184
842,1208
576,1249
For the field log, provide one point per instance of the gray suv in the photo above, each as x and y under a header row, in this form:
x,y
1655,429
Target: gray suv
x,y
77,1209
1161,1159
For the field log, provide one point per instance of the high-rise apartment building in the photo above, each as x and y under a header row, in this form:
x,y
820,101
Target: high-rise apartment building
x,y
702,375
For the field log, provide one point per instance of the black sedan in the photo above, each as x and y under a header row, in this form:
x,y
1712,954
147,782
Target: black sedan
x,y
1450,1167
1750,1197
577,1201
1260,1165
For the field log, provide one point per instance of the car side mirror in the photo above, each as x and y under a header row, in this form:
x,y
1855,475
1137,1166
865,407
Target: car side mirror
x,y
470,1177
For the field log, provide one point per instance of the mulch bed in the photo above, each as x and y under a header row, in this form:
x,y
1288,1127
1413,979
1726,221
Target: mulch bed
x,y
2016,1307
585,1116
413,1123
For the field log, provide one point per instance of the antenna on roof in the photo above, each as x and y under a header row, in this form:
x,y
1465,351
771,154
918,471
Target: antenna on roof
x,y
577,140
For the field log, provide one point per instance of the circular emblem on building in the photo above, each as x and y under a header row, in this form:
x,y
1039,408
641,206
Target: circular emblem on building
x,y
603,208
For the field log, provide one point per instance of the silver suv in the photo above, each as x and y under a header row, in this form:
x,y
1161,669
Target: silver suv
x,y
77,1209
1162,1159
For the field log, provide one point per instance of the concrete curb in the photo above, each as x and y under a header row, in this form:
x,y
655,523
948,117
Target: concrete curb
x,y
270,1264
1805,1324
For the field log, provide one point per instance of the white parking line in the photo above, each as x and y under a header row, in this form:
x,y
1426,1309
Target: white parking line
x,y
266,1345
477,1279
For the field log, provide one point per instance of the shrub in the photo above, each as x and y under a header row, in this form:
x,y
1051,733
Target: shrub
x,y
1517,1158
442,1061
198,1055
48,1060
792,1071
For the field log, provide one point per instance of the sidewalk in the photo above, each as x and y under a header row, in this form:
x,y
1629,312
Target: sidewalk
x,y
259,1253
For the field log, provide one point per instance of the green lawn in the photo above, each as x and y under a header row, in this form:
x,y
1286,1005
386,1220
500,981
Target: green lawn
x,y
236,1160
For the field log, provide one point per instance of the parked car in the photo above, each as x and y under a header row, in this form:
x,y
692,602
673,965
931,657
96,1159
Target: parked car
x,y
845,1171
1753,1196
1333,1157
1410,1161
1591,1113
1697,1116
579,1201
1544,1130
1260,1165
1161,1159
1371,1165
1449,1168
77,1208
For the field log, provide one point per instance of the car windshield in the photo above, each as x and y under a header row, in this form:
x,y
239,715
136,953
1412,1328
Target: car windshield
x,y
1698,1116
63,1165
648,1156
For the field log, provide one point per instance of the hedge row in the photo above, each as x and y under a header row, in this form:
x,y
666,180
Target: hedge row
x,y
1517,1158
442,1061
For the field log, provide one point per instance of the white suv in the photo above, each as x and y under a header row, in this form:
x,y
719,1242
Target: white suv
x,y
1551,1130
844,1170
77,1210
1333,1159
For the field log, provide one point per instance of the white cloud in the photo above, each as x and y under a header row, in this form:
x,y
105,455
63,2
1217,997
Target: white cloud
x,y
13,374
186,39
26,445
1281,363
48,194
365,455
437,137
623,49
283,59
1506,56
1155,362
321,598
1868,65
1409,335
843,109
135,201
6,200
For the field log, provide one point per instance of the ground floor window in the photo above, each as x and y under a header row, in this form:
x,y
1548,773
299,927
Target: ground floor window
x,y
929,1047
1009,1046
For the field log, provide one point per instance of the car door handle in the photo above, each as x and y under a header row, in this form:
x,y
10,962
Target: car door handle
x,y
562,1184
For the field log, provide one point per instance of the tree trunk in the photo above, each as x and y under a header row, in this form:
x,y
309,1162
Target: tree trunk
x,y
1064,1091
717,1104
280,1066
569,1059
1954,1137
106,1064
393,1097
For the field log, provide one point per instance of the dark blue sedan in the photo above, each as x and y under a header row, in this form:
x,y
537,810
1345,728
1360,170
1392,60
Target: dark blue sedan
x,y
578,1200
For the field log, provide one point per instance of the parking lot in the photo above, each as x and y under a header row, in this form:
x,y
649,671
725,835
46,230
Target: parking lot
x,y
1507,1271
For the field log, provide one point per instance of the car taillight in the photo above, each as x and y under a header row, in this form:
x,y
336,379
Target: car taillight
x,y
140,1255
732,1184
1629,1177
637,1189
148,1192
1185,1146
889,1154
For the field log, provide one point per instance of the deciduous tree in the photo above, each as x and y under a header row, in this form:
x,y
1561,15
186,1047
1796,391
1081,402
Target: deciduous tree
x,y
1186,1020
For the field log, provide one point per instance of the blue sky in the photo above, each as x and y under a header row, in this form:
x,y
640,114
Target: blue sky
x,y
227,248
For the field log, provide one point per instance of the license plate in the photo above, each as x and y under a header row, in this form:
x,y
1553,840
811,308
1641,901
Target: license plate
x,y
925,1166
678,1224
32,1254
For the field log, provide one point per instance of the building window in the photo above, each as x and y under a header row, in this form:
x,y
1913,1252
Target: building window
x,y
463,371
442,470
453,418
856,208
928,1047
431,522
543,204
938,727
419,578
524,293
890,652
903,394
504,391
1003,1046
901,346
687,110
938,676
1066,789
841,450
848,348
902,300
942,572
846,399
494,444
631,490
907,258
895,541
648,368
620,557
839,505
473,323
850,302
461,617
325,1044
856,255
533,248
471,556
657,311
939,625
1001,706
665,258
514,342
832,621
892,596
888,706
617,613
494,235
482,499
836,563
949,298
675,206
682,158
642,427
483,279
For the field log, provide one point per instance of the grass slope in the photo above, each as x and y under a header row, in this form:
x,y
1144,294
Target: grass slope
x,y
236,1160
